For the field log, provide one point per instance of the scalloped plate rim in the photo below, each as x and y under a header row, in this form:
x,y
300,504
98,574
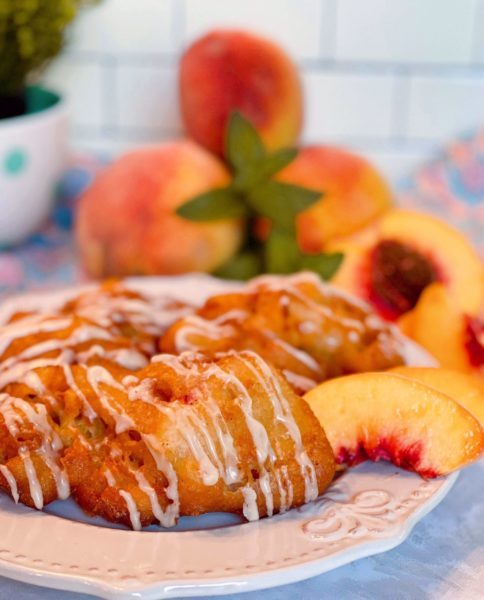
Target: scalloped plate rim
x,y
222,586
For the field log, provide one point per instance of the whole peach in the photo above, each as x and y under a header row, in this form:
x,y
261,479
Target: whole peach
x,y
354,193
229,70
126,222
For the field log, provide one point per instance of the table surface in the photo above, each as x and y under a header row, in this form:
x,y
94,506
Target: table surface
x,y
443,559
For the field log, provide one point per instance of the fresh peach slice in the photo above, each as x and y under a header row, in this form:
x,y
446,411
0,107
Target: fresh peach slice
x,y
393,260
381,416
456,340
464,388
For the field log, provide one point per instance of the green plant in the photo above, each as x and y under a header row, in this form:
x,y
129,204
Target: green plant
x,y
31,34
253,195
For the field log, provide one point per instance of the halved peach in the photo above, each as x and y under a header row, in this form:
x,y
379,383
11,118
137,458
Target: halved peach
x,y
392,261
381,416
465,388
455,339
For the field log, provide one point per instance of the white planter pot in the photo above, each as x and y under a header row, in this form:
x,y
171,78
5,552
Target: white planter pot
x,y
33,150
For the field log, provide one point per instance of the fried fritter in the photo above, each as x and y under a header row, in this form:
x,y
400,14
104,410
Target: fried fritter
x,y
308,329
140,318
109,322
183,436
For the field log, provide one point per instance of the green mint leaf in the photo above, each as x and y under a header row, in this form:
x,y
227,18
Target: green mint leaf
x,y
281,252
281,202
276,161
259,171
221,203
242,266
325,265
243,146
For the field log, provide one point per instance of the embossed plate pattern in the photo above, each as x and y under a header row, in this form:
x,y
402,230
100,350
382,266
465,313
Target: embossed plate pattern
x,y
368,510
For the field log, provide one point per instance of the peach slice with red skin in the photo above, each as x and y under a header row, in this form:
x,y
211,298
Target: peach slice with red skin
x,y
381,416
465,388
455,339
392,261
228,70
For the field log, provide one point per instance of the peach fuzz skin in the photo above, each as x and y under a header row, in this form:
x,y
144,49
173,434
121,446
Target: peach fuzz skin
x,y
126,222
229,70
354,194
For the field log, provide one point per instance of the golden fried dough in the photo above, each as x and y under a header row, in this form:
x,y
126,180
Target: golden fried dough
x,y
183,436
108,322
308,329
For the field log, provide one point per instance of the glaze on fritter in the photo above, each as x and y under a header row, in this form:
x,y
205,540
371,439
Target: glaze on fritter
x,y
183,436
308,329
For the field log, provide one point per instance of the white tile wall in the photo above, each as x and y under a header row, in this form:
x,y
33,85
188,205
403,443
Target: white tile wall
x,y
296,24
146,98
405,31
479,33
118,27
345,106
438,107
82,83
391,78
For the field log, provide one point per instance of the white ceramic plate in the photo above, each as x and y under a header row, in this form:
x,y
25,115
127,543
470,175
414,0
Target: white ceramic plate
x,y
368,510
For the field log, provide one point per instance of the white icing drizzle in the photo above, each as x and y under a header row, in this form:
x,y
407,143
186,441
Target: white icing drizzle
x,y
260,437
152,315
147,489
18,371
129,380
231,473
193,427
250,509
283,414
301,356
12,482
34,485
11,408
109,477
300,382
98,375
33,381
195,325
89,412
33,324
134,514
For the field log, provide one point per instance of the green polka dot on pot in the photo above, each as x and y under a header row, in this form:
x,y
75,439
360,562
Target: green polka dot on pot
x,y
15,161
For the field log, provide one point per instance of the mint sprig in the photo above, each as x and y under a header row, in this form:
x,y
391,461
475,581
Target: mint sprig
x,y
253,194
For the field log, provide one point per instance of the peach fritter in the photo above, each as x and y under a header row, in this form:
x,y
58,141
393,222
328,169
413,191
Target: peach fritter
x,y
109,322
183,436
309,330
138,317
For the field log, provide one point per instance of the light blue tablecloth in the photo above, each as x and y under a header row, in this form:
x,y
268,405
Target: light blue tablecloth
x,y
443,559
